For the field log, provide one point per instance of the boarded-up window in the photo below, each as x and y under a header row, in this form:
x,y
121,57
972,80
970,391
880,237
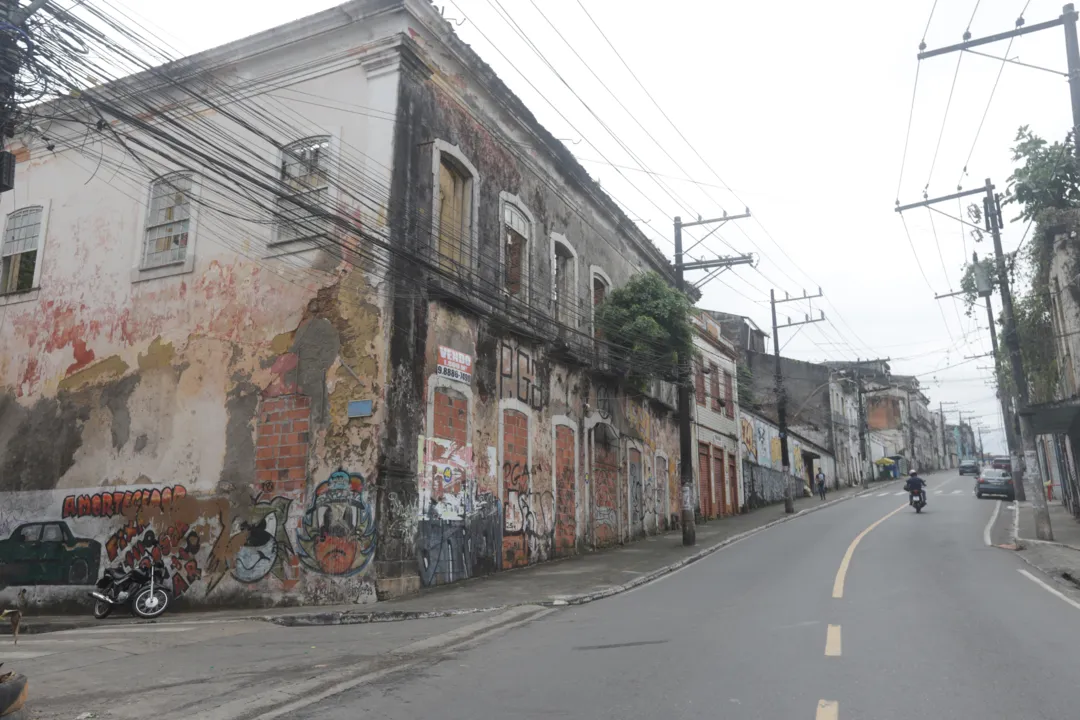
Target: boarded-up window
x,y
515,272
729,400
714,385
455,216
699,383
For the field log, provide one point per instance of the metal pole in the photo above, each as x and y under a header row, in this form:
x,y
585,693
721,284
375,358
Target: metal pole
x,y
1030,464
944,443
781,410
1072,57
862,434
686,444
1006,415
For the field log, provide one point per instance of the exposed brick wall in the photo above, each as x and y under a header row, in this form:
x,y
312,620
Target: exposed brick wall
x,y
516,481
451,418
605,487
565,486
282,446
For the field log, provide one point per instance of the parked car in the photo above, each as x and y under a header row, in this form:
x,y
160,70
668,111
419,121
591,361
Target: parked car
x,y
1001,462
47,553
995,482
969,466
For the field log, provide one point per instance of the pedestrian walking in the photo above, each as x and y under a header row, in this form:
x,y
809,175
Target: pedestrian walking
x,y
821,483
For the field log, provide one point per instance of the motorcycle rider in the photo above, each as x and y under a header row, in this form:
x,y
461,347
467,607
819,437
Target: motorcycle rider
x,y
916,483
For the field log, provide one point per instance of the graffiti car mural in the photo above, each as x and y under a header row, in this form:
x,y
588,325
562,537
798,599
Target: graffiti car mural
x,y
337,533
47,553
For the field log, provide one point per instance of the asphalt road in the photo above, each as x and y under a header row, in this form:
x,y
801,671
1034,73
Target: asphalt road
x,y
931,623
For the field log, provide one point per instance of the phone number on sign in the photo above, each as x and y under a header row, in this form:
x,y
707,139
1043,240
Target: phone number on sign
x,y
454,374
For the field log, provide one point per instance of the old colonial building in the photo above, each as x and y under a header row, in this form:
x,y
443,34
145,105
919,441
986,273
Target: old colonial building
x,y
716,411
342,348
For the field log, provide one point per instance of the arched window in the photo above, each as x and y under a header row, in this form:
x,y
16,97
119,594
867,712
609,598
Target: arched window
x,y
168,222
516,231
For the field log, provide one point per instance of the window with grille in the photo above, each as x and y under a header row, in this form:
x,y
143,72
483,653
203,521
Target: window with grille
x,y
455,216
302,214
22,240
516,257
168,222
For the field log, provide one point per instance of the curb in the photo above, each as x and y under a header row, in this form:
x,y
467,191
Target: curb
x,y
350,617
678,565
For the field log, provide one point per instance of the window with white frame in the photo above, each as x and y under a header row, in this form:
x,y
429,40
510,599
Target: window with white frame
x,y
305,175
22,241
168,222
516,252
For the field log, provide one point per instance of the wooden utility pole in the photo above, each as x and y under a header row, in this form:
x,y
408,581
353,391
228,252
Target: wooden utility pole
x,y
781,393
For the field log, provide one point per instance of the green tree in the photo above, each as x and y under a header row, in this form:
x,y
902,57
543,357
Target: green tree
x,y
1047,177
646,322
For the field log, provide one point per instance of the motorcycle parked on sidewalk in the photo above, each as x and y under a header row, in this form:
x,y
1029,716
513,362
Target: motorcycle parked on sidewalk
x,y
917,498
142,587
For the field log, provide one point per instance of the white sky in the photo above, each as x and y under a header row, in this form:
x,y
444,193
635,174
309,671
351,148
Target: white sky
x,y
801,108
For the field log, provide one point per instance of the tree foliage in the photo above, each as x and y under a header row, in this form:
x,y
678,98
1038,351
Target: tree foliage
x,y
1047,175
1046,181
647,322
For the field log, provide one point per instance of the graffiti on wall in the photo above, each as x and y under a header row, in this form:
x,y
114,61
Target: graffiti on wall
x,y
528,514
116,502
265,542
517,375
637,495
605,498
136,544
459,532
59,558
337,531
749,441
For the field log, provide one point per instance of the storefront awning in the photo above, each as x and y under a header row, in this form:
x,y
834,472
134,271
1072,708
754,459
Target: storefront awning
x,y
884,461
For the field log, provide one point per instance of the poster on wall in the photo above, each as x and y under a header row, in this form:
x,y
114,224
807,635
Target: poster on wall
x,y
454,364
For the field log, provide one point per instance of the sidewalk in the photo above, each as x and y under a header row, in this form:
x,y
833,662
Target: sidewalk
x,y
1060,558
579,579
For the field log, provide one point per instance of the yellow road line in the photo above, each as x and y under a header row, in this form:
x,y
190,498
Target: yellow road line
x,y
841,574
832,641
828,710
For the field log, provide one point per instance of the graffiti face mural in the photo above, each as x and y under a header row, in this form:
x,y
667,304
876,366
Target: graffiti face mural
x,y
266,544
337,533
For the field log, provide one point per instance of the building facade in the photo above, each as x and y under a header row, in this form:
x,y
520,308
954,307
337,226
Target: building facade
x,y
717,464
372,368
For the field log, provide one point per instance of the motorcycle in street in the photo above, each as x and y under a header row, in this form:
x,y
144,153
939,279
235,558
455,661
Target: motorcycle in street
x,y
142,587
917,498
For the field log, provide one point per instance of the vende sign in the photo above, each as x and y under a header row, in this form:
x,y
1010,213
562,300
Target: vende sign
x,y
454,364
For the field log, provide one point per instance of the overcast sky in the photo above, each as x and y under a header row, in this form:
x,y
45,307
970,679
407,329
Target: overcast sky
x,y
798,110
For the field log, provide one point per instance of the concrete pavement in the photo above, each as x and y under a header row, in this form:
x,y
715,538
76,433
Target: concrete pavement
x,y
931,622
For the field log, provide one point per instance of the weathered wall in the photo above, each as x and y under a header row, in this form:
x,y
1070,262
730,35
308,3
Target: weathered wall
x,y
206,402
760,445
530,456
716,429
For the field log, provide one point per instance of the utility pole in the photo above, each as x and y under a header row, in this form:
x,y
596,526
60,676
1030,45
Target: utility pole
x,y
781,393
686,441
864,477
944,442
1072,54
985,289
992,220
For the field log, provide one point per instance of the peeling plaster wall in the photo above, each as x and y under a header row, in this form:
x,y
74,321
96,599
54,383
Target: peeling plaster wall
x,y
533,455
207,404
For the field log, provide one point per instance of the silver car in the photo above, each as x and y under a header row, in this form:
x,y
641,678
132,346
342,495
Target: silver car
x,y
995,482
